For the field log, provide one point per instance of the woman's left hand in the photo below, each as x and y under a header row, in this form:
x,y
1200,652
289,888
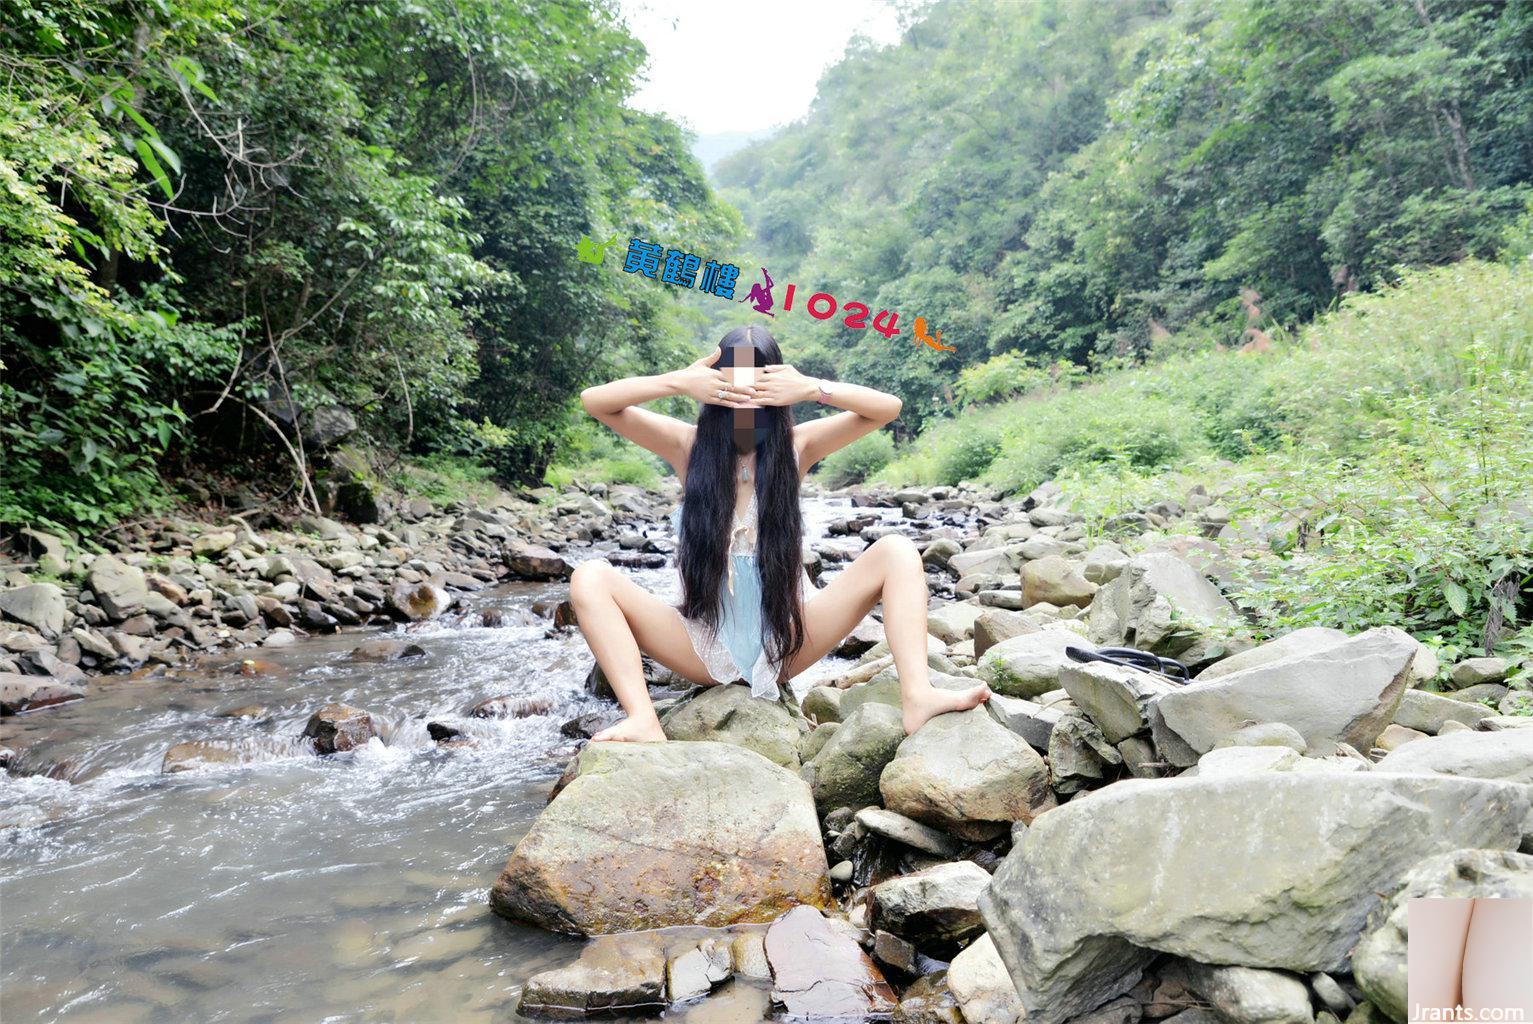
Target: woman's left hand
x,y
781,384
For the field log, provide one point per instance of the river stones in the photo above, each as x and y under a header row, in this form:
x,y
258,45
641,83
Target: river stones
x,y
900,829
337,728
953,622
1114,697
1029,665
965,774
1310,640
1057,581
510,705
1482,755
615,974
1244,995
1161,603
535,562
846,770
418,603
19,693
384,648
729,714
1343,693
936,907
1276,870
1379,962
39,605
1428,712
820,972
1033,722
120,589
649,835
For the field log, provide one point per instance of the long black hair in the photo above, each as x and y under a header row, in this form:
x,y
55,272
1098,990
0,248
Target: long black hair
x,y
708,508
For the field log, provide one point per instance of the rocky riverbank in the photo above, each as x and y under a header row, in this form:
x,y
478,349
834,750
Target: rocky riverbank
x,y
1095,844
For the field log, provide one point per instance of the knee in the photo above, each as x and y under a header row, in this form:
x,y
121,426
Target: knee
x,y
897,549
590,579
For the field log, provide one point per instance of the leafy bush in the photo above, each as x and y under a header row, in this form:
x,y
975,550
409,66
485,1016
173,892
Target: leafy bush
x,y
858,460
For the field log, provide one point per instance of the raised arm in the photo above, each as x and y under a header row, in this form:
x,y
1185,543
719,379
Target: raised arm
x,y
616,404
867,409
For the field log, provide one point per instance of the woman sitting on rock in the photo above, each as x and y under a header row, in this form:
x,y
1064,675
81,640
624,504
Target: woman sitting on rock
x,y
748,609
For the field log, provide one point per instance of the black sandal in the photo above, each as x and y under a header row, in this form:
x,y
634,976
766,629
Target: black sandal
x,y
1128,657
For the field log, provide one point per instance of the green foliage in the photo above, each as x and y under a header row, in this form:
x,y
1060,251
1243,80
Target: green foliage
x,y
857,461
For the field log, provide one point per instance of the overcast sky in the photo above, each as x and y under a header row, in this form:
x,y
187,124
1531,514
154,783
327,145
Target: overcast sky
x,y
734,65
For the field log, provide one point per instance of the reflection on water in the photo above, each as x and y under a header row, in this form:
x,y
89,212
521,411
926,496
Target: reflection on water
x,y
296,888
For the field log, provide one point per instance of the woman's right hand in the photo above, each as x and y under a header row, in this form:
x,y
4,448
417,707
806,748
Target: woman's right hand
x,y
706,383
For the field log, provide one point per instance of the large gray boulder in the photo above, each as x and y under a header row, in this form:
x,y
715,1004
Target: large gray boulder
x,y
1346,693
1057,581
39,605
1277,870
729,714
1379,962
1115,698
846,770
1504,755
1310,640
120,589
937,906
1029,665
965,773
1163,604
649,835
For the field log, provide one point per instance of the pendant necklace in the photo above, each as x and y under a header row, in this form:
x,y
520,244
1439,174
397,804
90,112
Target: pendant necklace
x,y
745,471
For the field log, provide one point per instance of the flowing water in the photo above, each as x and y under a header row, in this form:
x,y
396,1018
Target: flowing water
x,y
296,888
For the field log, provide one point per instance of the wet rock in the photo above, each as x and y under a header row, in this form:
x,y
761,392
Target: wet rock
x,y
535,562
1482,755
337,728
185,757
939,552
1245,995
929,1000
511,706
1057,581
983,989
615,974
846,771
694,972
39,605
867,634
589,724
814,741
651,835
1100,884
1162,604
19,693
1345,693
1029,665
966,774
120,589
385,649
423,601
820,972
1426,712
908,831
729,714
934,908
892,951
1379,962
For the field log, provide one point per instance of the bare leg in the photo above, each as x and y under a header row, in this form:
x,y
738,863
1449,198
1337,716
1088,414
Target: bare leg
x,y
1435,953
620,619
1496,954
890,571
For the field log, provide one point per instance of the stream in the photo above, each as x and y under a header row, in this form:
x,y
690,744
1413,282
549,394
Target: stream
x,y
298,888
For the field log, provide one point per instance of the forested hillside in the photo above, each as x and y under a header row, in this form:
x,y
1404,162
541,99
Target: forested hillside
x,y
1062,181
234,232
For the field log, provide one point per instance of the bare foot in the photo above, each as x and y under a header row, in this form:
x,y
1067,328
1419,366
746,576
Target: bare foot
x,y
632,730
931,702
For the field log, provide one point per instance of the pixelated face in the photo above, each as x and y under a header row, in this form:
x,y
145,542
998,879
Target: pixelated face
x,y
750,423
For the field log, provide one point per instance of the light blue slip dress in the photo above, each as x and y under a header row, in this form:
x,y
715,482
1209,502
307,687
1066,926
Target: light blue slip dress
x,y
735,650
